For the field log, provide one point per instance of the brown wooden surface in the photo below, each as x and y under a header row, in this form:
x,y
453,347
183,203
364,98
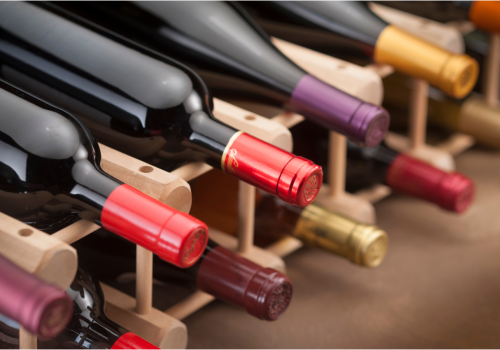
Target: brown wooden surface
x,y
438,287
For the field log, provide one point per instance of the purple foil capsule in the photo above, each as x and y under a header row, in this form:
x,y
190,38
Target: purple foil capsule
x,y
41,308
338,111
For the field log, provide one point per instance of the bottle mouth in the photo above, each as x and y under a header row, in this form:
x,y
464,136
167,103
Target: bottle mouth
x,y
268,294
459,75
451,191
371,246
457,192
193,247
300,182
55,317
370,124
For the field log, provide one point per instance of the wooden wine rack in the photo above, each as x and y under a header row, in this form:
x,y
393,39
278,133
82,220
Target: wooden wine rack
x,y
52,258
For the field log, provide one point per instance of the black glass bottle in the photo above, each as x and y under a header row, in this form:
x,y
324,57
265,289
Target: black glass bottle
x,y
50,175
138,101
235,57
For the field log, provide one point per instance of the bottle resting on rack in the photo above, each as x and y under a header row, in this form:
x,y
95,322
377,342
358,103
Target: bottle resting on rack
x,y
454,74
263,292
362,244
232,54
215,199
405,174
50,173
138,101
473,116
40,307
367,166
88,328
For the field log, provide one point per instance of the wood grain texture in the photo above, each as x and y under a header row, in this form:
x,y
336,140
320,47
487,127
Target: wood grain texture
x,y
156,327
439,34
357,81
37,252
246,216
253,124
144,285
156,183
491,74
418,113
26,339
76,231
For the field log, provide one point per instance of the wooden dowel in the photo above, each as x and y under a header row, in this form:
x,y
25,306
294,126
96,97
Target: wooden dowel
x,y
191,304
246,213
192,170
76,231
492,71
144,281
418,113
26,339
336,164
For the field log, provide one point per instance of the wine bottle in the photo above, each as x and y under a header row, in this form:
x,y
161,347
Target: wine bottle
x,y
42,308
453,74
405,174
263,292
473,116
49,166
232,54
402,173
138,101
364,245
315,226
484,14
88,328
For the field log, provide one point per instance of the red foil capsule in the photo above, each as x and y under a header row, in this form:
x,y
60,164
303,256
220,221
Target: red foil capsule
x,y
293,179
131,341
451,191
174,236
263,292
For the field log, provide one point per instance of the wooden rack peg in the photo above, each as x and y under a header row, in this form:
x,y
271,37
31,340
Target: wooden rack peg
x,y
37,252
439,34
144,282
246,213
26,339
156,327
154,182
418,113
491,73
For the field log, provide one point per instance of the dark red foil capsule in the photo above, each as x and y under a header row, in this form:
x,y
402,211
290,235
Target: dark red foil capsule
x,y
451,191
263,292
